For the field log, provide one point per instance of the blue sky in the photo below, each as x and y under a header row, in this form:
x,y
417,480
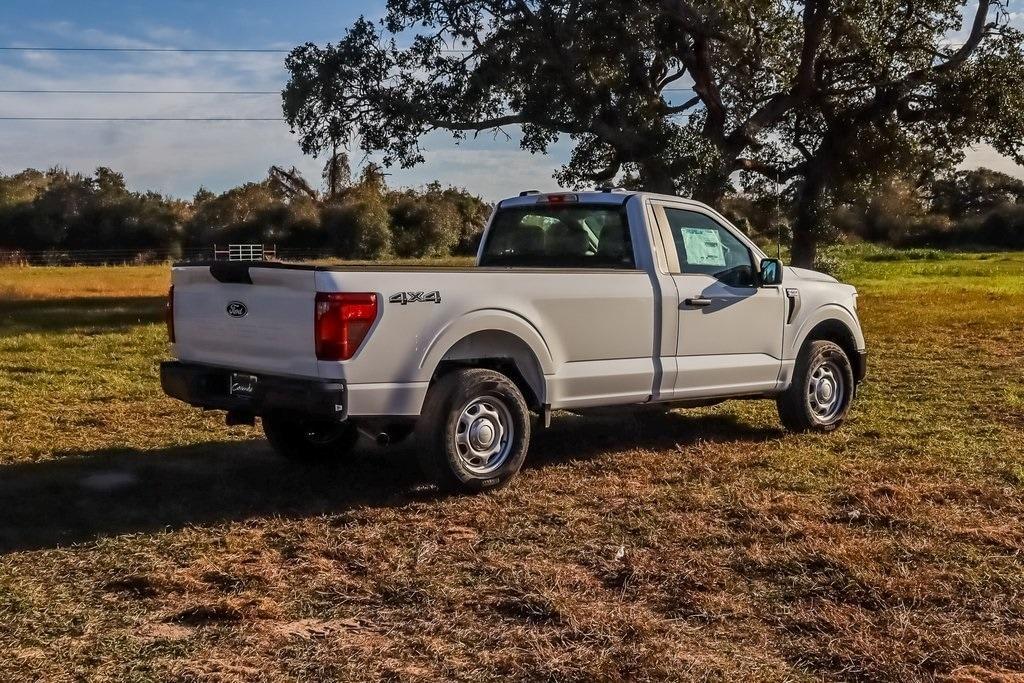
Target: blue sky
x,y
177,158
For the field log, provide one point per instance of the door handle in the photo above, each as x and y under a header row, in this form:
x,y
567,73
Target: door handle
x,y
697,303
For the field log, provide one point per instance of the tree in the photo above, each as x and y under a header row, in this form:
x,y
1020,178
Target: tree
x,y
359,226
893,95
798,92
975,191
596,71
337,173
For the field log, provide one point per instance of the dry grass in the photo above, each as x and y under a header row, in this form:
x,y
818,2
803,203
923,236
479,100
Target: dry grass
x,y
143,540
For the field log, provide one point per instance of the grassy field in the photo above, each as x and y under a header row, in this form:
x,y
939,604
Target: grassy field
x,y
143,540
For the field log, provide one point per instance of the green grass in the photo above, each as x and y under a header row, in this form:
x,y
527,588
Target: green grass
x,y
143,540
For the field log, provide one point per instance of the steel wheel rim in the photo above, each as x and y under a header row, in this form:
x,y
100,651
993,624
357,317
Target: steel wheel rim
x,y
826,390
484,433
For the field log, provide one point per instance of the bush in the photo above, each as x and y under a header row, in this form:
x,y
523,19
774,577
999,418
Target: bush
x,y
59,210
1003,227
358,229
424,227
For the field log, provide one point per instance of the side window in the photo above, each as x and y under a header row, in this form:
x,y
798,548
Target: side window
x,y
706,247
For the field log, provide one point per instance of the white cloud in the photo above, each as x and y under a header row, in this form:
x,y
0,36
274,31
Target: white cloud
x,y
178,157
985,156
494,173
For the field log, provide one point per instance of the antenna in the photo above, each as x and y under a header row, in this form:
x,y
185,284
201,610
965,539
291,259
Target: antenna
x,y
778,214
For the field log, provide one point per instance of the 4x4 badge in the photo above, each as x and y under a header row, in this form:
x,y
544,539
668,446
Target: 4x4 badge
x,y
415,298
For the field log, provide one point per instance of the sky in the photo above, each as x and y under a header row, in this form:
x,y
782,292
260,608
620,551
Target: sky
x,y
178,157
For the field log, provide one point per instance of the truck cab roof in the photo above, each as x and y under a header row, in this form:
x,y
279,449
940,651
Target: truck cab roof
x,y
612,196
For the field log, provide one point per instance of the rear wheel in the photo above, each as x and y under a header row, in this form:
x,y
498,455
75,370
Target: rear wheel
x,y
309,440
819,397
474,431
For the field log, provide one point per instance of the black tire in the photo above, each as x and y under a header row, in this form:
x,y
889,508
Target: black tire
x,y
308,440
448,429
801,407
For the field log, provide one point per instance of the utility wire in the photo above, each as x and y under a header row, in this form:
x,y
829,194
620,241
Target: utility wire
x,y
12,48
140,92
229,50
182,92
204,119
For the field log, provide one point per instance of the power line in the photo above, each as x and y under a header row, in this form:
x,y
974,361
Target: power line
x,y
184,92
141,92
158,119
227,50
12,48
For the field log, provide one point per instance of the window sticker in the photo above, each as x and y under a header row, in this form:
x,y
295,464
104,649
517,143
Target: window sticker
x,y
703,247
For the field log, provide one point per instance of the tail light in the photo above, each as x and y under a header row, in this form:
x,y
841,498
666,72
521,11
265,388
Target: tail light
x,y
169,314
343,320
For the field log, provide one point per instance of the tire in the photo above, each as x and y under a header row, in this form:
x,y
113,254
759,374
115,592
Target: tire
x,y
821,392
473,432
310,441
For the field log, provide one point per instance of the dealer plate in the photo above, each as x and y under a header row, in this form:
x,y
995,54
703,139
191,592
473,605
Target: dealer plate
x,y
243,385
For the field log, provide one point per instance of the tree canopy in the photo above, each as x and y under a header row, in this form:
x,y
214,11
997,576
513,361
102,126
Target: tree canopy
x,y
678,96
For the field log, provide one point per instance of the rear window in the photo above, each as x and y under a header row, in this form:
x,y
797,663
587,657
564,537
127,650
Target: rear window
x,y
559,236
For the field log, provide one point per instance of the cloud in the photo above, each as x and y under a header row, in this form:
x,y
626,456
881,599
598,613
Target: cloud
x,y
985,156
177,157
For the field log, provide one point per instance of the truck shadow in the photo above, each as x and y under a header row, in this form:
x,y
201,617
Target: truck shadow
x,y
80,497
106,314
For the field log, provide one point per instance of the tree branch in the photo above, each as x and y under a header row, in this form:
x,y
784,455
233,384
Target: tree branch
x,y
815,16
485,124
608,172
680,108
769,171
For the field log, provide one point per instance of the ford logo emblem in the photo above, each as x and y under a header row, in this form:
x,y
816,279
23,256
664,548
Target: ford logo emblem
x,y
236,309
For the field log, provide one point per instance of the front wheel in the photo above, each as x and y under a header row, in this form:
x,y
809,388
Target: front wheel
x,y
819,397
310,440
474,431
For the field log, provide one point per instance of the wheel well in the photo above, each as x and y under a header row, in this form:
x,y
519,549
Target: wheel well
x,y
505,366
502,352
838,333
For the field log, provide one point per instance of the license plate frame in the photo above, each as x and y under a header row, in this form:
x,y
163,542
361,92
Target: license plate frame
x,y
242,385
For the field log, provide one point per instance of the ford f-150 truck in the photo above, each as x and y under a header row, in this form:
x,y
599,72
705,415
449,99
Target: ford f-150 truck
x,y
577,300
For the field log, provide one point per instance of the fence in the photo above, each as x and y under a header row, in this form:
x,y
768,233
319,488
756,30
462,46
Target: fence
x,y
246,252
120,257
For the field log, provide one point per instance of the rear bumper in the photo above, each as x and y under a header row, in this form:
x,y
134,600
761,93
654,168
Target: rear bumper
x,y
207,387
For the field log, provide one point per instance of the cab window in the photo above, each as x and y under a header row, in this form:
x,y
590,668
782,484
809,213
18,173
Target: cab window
x,y
707,248
559,236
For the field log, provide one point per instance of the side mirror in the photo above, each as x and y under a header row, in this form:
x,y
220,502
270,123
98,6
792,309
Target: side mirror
x,y
771,272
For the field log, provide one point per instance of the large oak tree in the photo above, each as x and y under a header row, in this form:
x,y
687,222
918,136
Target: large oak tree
x,y
675,96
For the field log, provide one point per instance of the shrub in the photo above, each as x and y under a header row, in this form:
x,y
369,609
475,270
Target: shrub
x,y
424,227
358,228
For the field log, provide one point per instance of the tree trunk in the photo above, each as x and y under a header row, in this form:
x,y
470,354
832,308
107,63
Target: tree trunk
x,y
805,248
807,226
713,186
656,177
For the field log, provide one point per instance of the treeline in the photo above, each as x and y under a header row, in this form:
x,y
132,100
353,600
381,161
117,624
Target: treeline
x,y
979,208
364,219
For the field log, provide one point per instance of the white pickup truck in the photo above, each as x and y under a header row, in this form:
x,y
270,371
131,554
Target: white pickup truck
x,y
577,300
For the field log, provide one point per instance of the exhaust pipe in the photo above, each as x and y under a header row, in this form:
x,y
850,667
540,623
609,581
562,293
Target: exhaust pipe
x,y
380,438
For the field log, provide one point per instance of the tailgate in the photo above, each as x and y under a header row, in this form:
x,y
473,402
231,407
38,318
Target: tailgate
x,y
265,326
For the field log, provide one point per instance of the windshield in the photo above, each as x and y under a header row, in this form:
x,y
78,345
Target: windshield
x,y
559,236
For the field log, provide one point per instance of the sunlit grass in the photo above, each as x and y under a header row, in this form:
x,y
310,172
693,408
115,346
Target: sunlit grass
x,y
144,540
